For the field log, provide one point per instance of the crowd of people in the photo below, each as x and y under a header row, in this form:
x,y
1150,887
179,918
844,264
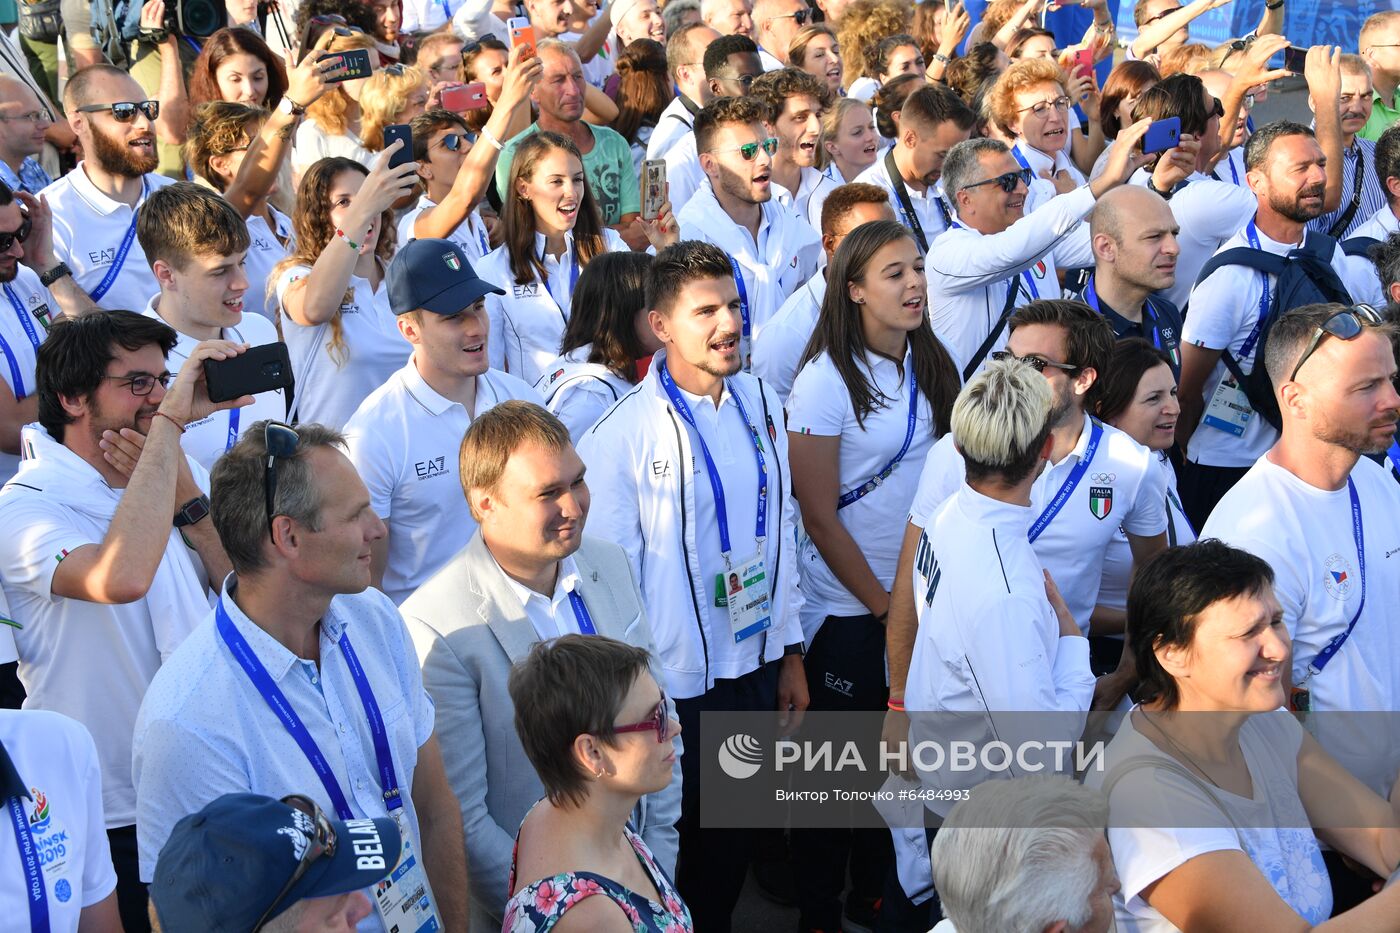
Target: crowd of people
x,y
418,415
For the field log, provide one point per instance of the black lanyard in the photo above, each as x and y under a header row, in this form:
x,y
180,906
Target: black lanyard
x,y
906,205
1344,221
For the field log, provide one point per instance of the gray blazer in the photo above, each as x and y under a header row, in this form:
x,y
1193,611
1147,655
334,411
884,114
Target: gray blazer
x,y
469,628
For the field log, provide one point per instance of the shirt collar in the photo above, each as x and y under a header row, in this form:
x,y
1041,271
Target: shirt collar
x,y
11,784
566,582
984,510
95,198
274,655
423,393
1081,445
568,245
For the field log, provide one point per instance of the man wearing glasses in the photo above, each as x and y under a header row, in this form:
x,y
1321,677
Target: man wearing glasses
x,y
776,23
115,561
529,574
23,123
94,206
1362,192
302,680
1379,44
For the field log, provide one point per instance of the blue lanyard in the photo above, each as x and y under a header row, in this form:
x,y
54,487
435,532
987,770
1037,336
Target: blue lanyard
x,y
1248,346
866,488
120,260
573,283
1234,172
1070,483
1021,159
1394,455
1091,298
232,429
743,297
36,895
585,621
15,375
716,484
1359,535
281,707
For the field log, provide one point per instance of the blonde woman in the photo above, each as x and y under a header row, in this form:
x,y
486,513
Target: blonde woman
x,y
849,145
332,123
395,94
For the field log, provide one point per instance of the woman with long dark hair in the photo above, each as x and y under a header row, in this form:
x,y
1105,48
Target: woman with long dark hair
x,y
606,336
875,391
644,90
236,64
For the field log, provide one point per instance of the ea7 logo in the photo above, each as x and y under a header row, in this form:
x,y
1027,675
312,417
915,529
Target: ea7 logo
x,y
103,257
839,684
531,290
427,469
660,468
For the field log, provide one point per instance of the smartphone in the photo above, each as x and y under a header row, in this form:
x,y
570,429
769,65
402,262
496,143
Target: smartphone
x,y
463,97
1295,60
653,188
1162,135
354,63
1083,62
252,372
521,33
399,131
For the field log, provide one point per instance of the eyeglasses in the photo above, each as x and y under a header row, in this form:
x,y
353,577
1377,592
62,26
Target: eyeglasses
x,y
1007,182
9,237
749,151
125,111
657,721
744,81
143,384
1346,324
452,142
281,441
798,16
33,116
1037,363
1041,107
319,845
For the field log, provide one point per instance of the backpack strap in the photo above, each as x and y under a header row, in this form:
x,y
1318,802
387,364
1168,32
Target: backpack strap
x,y
1358,246
1258,259
997,328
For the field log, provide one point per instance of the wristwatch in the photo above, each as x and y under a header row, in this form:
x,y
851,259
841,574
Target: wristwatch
x,y
940,57
192,512
291,107
1164,195
54,274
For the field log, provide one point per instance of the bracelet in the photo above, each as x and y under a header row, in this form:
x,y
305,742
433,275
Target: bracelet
x,y
896,704
340,234
940,57
180,427
491,138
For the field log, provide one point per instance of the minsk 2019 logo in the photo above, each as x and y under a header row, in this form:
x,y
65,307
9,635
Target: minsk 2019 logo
x,y
740,756
39,822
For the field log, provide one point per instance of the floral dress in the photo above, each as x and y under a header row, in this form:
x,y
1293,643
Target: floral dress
x,y
537,907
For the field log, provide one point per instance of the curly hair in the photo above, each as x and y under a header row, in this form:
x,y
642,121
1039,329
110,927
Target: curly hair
x,y
313,231
775,87
518,216
331,110
726,111
863,24
357,13
385,95
204,82
924,25
996,15
645,89
967,75
877,56
1190,58
1021,76
219,128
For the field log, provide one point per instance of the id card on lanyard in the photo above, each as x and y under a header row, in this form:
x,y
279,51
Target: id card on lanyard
x,y
1229,409
404,899
742,588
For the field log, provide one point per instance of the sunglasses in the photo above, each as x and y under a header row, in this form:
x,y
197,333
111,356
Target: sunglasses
x,y
125,111
1218,110
749,151
799,17
281,441
1346,324
1007,182
1037,363
10,237
320,845
1162,14
394,68
453,142
658,721
1041,107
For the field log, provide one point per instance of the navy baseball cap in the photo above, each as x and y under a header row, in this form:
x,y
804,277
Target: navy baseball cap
x,y
225,866
434,275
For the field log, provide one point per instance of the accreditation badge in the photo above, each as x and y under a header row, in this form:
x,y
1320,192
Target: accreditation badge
x,y
404,899
1229,409
745,585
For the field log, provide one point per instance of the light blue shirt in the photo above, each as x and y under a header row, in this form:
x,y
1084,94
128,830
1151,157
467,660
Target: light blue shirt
x,y
31,178
205,731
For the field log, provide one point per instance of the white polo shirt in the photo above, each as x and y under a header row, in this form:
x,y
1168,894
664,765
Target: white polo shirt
x,y
25,302
1306,535
799,201
1379,225
404,441
551,615
579,392
208,439
265,251
1121,486
831,179
88,231
56,761
1209,212
820,405
933,212
1043,189
470,234
1224,309
675,122
527,322
332,381
777,351
312,144
1118,561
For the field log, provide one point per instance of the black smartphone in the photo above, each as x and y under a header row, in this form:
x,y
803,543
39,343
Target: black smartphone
x,y
399,131
1162,135
354,63
252,372
1295,60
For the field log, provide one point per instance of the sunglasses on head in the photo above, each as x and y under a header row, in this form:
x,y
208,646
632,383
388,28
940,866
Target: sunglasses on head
x,y
1346,324
657,721
319,845
281,442
1007,182
749,151
9,237
125,111
1037,363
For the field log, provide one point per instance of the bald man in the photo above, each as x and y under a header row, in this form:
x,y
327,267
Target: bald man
x,y
729,17
1133,234
23,122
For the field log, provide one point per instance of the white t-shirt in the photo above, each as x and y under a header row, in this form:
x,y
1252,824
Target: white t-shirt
x,y
1209,211
208,439
1306,535
820,405
56,760
579,392
470,234
313,144
1379,225
265,251
778,348
37,309
332,382
1224,309
404,441
863,88
1148,807
1121,486
1043,189
88,231
1118,560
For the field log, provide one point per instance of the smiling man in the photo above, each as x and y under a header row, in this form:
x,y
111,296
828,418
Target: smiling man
x,y
796,101
403,439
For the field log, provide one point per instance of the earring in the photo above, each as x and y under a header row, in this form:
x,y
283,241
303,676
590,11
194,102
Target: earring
x,y
598,775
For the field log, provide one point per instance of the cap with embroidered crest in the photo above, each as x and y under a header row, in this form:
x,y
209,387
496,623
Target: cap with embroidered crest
x,y
434,275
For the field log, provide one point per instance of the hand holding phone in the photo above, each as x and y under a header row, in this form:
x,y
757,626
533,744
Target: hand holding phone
x,y
402,133
463,97
353,64
653,188
1162,135
522,33
252,372
1295,60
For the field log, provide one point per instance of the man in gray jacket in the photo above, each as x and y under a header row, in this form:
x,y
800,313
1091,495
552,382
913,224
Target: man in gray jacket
x,y
528,574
